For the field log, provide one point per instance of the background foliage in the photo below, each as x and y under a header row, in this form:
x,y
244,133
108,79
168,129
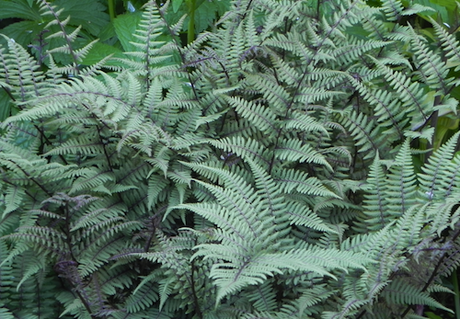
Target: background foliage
x,y
293,159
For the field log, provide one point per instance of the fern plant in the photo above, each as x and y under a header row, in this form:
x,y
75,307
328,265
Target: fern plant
x,y
269,169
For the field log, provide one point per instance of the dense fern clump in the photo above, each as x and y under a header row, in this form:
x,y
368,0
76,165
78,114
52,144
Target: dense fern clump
x,y
290,164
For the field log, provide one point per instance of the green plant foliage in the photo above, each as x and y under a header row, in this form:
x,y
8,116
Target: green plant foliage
x,y
98,29
288,164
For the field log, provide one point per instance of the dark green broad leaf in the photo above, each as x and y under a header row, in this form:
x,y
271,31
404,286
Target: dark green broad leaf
x,y
449,4
5,105
176,4
445,11
374,3
456,92
101,51
207,13
125,25
89,14
358,31
64,58
18,9
23,32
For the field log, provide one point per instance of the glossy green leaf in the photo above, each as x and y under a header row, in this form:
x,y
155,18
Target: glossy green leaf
x,y
125,25
101,51
176,4
23,32
89,14
440,10
5,105
18,9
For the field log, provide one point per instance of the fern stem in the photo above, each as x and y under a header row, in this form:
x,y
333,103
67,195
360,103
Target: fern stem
x,y
191,23
304,75
8,92
430,280
195,297
111,5
67,233
70,248
247,9
42,134
435,271
155,223
181,54
85,303
34,198
72,52
30,177
457,293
